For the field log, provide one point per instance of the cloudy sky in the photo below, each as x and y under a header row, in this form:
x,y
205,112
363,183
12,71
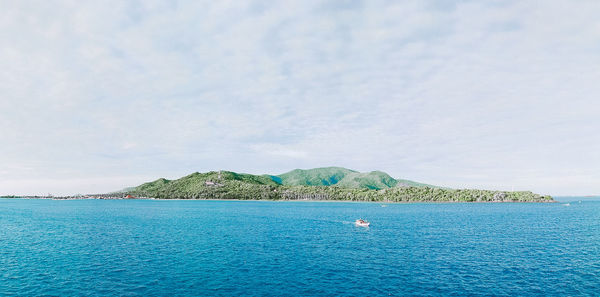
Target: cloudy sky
x,y
98,95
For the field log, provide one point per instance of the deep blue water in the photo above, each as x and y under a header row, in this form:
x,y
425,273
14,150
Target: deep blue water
x,y
146,247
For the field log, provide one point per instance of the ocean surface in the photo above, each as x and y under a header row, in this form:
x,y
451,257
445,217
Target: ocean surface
x,y
191,248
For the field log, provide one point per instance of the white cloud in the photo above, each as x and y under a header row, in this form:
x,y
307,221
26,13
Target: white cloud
x,y
472,94
278,150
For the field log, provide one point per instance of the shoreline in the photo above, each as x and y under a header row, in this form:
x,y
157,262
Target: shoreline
x,y
268,200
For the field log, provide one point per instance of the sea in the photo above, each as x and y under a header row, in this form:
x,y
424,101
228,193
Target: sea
x,y
266,248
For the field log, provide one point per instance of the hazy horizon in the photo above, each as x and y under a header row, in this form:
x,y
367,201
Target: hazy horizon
x,y
96,97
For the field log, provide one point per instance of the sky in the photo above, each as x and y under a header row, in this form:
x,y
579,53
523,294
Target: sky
x,y
96,96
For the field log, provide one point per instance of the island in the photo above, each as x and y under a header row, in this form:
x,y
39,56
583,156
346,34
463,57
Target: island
x,y
328,183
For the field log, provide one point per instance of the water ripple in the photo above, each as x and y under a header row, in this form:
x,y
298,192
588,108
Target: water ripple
x,y
166,248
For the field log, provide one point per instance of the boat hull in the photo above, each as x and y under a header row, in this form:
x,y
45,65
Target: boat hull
x,y
360,224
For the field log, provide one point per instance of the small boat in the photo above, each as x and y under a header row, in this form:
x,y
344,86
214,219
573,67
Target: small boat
x,y
362,223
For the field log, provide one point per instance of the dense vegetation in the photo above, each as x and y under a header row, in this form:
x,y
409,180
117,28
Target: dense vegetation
x,y
328,184
345,178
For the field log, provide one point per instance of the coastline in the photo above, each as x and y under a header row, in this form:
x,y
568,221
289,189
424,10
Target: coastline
x,y
289,200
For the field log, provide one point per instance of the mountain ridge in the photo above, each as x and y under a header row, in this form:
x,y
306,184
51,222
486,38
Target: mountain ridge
x,y
344,177
325,183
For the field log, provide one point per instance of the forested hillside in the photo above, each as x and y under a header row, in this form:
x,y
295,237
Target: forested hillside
x,y
332,183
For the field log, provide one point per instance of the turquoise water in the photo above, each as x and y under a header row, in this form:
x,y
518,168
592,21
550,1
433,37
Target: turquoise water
x,y
146,247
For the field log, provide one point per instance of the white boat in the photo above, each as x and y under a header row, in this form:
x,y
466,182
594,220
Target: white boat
x,y
362,223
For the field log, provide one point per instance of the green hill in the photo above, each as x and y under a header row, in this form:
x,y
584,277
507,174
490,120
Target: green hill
x,y
375,180
325,176
330,183
342,177
191,186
